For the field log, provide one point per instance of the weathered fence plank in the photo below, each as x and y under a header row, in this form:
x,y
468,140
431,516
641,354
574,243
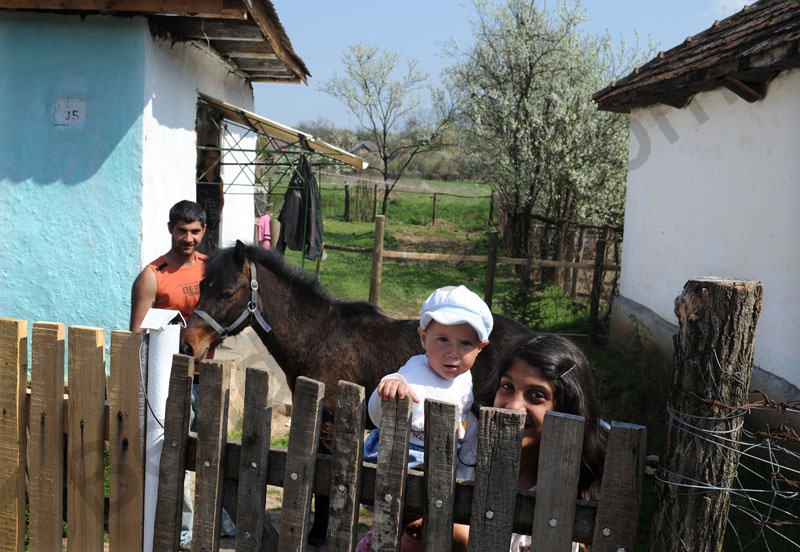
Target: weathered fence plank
x,y
212,424
390,480
125,444
499,447
86,442
46,445
253,464
14,363
440,473
171,472
557,481
621,489
348,455
301,459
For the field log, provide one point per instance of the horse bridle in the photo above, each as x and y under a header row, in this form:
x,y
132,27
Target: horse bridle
x,y
250,311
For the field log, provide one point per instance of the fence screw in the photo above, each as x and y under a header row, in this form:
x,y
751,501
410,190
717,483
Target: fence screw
x,y
438,503
294,476
342,488
253,465
174,444
207,463
387,497
489,514
606,532
553,522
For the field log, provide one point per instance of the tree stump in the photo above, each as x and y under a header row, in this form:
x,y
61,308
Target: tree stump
x,y
713,362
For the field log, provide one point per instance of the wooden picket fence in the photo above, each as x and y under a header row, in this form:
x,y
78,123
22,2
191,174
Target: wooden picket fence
x,y
99,416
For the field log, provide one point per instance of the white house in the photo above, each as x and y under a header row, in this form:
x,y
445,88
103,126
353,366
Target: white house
x,y
103,109
714,181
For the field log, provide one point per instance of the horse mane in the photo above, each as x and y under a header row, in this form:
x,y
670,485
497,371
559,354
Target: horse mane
x,y
221,266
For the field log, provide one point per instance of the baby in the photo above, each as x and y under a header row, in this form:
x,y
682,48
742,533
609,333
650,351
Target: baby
x,y
454,326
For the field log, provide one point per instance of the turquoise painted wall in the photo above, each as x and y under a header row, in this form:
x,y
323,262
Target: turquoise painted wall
x,y
70,215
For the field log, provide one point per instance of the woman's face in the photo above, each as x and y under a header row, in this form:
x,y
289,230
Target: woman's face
x,y
523,388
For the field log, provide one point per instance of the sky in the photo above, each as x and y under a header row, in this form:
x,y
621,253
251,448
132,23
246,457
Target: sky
x,y
321,31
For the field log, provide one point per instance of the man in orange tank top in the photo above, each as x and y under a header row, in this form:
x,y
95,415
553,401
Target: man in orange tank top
x,y
173,280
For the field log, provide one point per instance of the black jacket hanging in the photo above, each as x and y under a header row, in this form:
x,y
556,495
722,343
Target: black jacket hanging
x,y
301,214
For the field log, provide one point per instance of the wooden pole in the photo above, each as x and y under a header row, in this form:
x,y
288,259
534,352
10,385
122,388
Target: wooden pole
x,y
597,285
377,261
374,202
491,267
713,361
433,221
347,202
573,286
13,435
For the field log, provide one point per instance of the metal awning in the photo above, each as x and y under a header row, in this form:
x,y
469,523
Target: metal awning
x,y
281,132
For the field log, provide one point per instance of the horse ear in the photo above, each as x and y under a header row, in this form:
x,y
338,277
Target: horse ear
x,y
240,253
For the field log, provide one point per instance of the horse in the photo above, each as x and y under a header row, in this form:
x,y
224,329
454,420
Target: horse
x,y
310,333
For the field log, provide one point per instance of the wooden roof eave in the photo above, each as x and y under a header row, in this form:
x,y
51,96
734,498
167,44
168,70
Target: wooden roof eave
x,y
236,30
267,25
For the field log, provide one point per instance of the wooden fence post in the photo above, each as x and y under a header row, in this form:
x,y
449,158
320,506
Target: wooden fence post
x,y
171,474
713,361
254,460
212,422
374,201
125,445
377,261
14,366
46,445
347,202
86,444
491,267
346,466
597,285
301,458
433,220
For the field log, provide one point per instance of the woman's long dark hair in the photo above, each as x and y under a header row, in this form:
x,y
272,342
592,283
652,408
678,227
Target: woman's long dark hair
x,y
570,373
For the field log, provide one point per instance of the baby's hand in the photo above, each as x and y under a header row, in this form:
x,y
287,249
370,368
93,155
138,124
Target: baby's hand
x,y
392,388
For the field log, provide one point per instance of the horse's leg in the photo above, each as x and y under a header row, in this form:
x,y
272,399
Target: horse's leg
x,y
319,529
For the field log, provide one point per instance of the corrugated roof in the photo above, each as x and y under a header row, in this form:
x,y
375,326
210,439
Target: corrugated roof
x,y
283,133
245,33
742,52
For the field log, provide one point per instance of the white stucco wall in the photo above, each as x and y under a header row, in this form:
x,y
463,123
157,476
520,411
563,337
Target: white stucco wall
x,y
175,72
713,191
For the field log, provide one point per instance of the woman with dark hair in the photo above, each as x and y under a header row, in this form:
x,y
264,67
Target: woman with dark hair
x,y
550,372
546,372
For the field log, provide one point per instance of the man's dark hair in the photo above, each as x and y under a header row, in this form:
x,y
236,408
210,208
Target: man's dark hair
x,y
187,211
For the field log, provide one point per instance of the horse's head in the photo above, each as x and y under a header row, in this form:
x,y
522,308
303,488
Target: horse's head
x,y
228,301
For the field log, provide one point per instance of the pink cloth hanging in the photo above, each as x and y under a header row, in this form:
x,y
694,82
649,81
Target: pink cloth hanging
x,y
264,238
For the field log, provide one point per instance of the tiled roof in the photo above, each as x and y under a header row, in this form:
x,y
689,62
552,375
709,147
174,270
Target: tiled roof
x,y
742,52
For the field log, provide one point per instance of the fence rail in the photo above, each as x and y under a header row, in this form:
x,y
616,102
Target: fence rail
x,y
598,268
240,471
